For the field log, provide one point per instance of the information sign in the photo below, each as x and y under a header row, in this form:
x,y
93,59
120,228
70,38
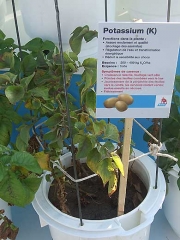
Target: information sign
x,y
136,69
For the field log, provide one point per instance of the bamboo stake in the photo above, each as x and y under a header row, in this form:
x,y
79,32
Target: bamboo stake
x,y
125,161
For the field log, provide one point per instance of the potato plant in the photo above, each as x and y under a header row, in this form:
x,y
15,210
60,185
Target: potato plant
x,y
34,82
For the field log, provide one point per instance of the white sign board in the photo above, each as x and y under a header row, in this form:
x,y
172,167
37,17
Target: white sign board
x,y
136,59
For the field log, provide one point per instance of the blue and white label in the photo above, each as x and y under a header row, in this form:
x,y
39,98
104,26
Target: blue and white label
x,y
132,61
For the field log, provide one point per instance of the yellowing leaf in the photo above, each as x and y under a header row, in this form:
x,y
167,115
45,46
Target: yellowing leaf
x,y
43,160
112,186
118,162
28,104
84,117
23,170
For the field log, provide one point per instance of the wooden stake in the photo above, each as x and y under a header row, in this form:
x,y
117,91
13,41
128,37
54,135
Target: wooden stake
x,y
125,161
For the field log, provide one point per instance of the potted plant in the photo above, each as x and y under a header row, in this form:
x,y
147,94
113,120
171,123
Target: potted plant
x,y
170,168
35,82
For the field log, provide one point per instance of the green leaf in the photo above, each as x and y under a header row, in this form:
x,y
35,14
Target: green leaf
x,y
26,160
111,132
67,59
51,135
73,56
104,152
6,159
32,182
177,100
87,78
20,144
91,100
8,42
28,65
13,116
90,63
4,149
17,192
8,58
11,190
36,103
25,81
2,35
169,128
78,138
48,45
99,127
109,145
70,68
5,132
177,83
4,79
91,112
174,113
34,45
54,120
90,35
14,93
2,171
84,147
112,186
24,133
77,37
80,125
11,76
40,92
57,143
105,169
93,159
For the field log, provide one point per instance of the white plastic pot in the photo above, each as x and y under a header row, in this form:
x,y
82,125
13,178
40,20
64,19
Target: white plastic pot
x,y
171,205
153,11
39,19
131,226
2,12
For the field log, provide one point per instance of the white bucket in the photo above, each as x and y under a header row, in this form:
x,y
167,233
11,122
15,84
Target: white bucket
x,y
171,204
153,11
2,12
39,19
131,226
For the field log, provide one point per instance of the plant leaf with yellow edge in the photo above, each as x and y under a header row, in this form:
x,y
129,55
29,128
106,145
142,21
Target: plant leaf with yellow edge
x,y
112,186
118,162
105,169
43,160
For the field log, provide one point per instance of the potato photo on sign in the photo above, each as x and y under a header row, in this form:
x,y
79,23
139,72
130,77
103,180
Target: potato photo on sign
x,y
128,99
110,102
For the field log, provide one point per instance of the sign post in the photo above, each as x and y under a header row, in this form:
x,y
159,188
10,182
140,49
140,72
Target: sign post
x,y
125,161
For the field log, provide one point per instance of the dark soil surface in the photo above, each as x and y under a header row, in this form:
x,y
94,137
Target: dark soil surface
x,y
95,202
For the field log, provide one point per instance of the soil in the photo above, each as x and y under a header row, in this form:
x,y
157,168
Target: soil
x,y
95,202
